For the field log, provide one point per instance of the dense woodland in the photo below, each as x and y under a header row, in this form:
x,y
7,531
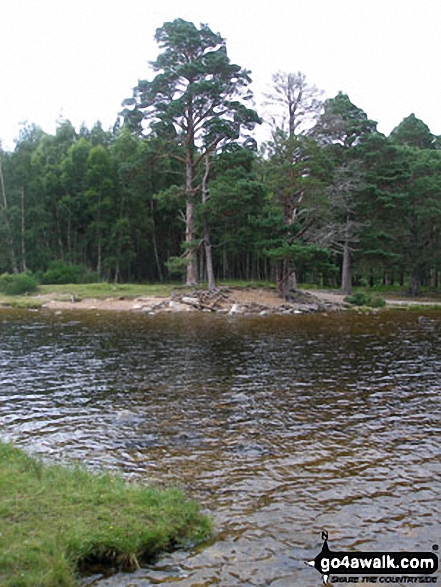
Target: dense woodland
x,y
180,187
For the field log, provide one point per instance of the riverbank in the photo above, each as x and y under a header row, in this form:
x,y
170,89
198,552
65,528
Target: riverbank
x,y
232,300
168,299
57,522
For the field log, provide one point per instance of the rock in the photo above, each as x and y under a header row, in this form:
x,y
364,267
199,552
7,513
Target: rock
x,y
235,309
190,301
177,306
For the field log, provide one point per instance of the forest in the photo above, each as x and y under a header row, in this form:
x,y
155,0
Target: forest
x,y
181,188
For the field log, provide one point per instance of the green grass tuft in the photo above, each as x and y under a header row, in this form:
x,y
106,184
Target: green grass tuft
x,y
57,522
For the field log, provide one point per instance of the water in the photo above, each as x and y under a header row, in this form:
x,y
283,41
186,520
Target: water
x,y
279,426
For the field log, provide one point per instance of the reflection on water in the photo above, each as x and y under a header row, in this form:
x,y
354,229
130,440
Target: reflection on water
x,y
280,426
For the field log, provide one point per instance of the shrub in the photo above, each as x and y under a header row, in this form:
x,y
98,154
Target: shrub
x,y
60,273
177,265
17,284
376,302
361,299
88,276
356,299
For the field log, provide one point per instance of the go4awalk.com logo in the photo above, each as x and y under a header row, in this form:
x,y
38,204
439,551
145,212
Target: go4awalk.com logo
x,y
375,567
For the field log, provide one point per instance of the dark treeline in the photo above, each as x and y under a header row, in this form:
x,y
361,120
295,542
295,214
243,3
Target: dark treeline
x,y
180,186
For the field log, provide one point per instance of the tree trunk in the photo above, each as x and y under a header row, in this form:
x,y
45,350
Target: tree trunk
x,y
190,228
70,255
286,279
119,244
207,243
23,246
414,284
289,280
116,276
155,244
346,274
289,283
224,263
99,240
190,236
58,231
7,223
99,251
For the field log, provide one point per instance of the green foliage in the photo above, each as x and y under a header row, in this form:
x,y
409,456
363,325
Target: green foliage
x,y
17,284
195,80
61,273
121,203
197,100
364,299
58,521
236,200
413,132
343,124
177,266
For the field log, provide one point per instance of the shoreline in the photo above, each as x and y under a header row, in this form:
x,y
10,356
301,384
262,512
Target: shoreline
x,y
61,522
225,300
239,301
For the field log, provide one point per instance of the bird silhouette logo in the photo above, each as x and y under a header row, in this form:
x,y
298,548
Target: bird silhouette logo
x,y
323,553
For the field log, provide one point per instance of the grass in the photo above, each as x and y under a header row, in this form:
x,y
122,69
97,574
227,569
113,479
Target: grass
x,y
58,521
415,307
26,302
106,290
400,291
86,290
241,284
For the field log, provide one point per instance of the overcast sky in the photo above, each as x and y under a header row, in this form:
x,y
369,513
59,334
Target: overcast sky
x,y
81,58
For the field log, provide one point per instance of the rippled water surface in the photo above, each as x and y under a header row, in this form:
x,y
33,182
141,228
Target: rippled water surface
x,y
280,427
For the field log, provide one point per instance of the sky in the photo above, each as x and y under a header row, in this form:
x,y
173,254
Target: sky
x,y
79,59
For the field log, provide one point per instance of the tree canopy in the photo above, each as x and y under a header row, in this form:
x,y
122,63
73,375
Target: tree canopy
x,y
181,188
196,99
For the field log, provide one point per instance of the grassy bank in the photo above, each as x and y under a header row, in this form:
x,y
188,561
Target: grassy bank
x,y
56,522
85,290
395,296
102,291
